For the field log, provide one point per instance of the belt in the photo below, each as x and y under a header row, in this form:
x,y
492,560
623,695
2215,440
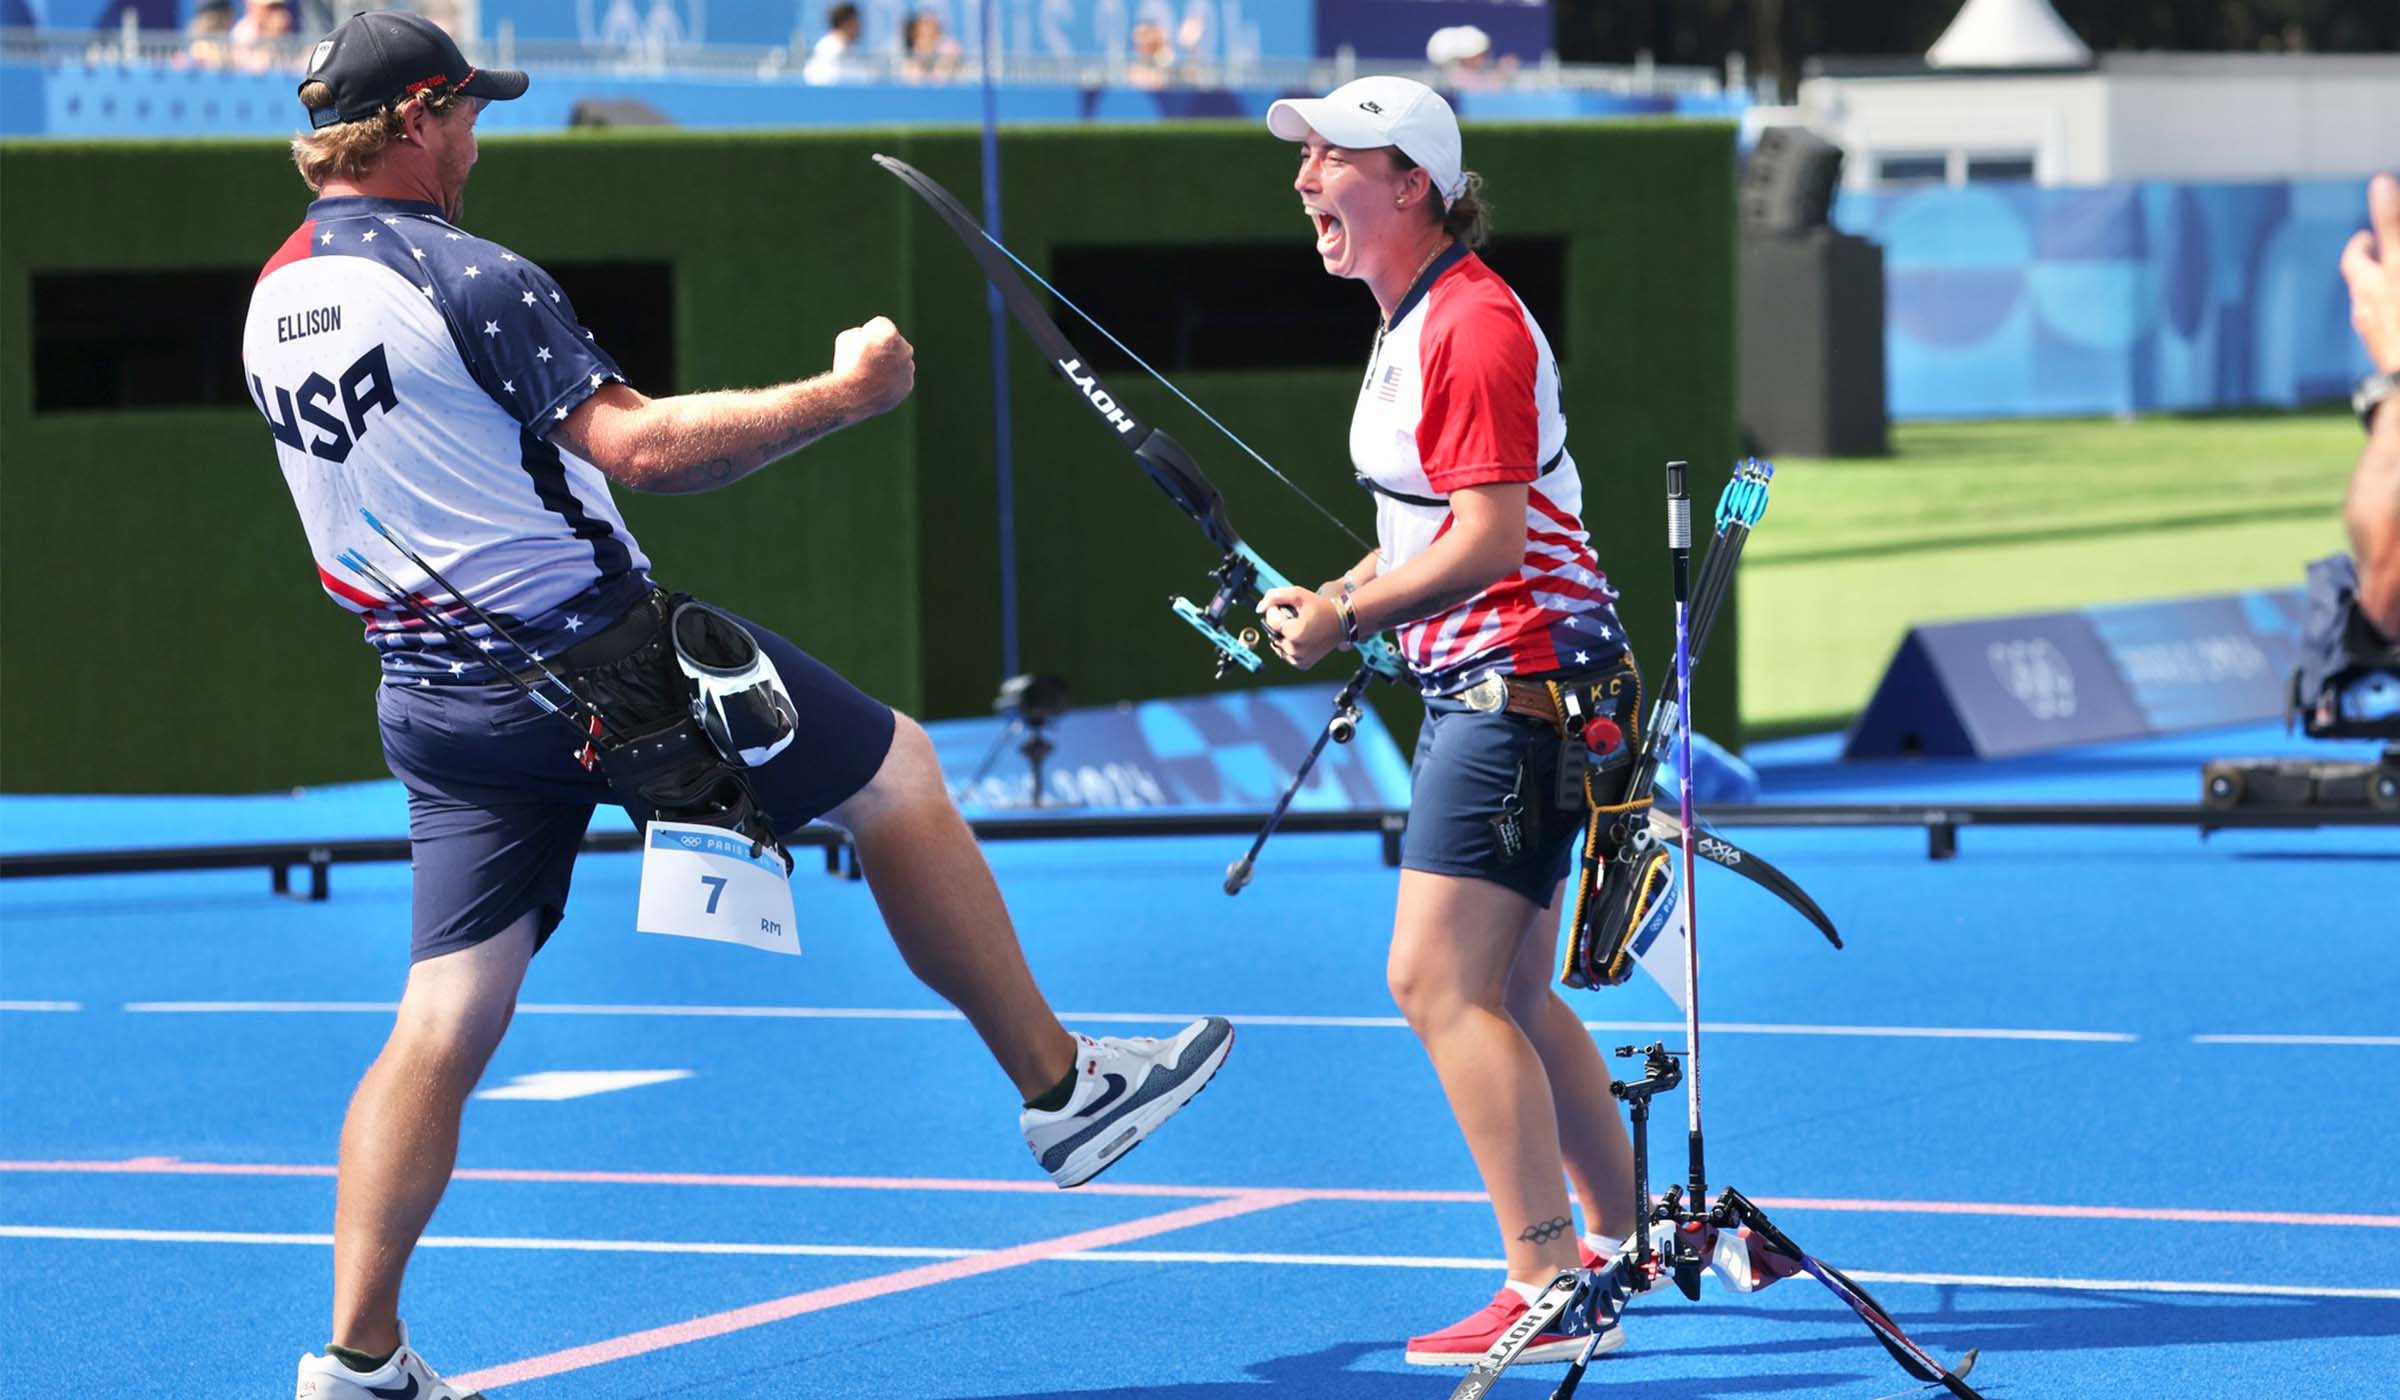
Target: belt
x,y
1510,693
634,629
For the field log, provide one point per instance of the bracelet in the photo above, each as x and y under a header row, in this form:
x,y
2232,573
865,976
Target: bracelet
x,y
1341,608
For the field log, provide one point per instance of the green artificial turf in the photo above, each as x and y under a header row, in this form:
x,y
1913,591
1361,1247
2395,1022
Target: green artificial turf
x,y
1986,519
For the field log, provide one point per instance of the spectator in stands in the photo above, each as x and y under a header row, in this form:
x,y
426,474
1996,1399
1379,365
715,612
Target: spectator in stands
x,y
262,37
2371,265
204,39
1463,53
927,53
835,59
1153,64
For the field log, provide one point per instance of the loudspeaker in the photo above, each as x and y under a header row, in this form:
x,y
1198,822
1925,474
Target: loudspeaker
x,y
1789,183
1810,353
616,111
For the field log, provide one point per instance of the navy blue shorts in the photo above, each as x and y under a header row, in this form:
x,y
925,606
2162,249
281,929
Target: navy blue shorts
x,y
497,804
1467,765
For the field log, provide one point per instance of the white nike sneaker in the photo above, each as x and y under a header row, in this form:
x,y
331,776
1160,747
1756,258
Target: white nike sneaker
x,y
1125,1086
404,1377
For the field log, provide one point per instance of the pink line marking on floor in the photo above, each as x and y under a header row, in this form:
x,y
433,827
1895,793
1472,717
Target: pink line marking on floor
x,y
880,1286
174,1166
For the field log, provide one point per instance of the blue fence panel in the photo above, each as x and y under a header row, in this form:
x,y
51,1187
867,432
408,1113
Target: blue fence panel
x,y
1049,28
2013,300
71,99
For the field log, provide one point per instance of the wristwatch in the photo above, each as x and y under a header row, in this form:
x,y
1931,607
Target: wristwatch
x,y
2371,394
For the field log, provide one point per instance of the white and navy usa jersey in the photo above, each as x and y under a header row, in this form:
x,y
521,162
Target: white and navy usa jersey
x,y
1463,391
411,369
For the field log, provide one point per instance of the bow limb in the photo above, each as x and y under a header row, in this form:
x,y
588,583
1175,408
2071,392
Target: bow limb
x,y
1243,574
1755,868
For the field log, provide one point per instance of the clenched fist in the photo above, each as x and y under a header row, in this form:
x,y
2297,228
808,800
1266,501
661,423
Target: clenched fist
x,y
878,362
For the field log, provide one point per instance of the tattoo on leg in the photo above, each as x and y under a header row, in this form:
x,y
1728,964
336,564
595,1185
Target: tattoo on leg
x,y
1547,1231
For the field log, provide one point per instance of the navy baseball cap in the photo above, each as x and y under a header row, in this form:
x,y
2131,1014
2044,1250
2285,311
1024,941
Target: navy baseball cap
x,y
381,58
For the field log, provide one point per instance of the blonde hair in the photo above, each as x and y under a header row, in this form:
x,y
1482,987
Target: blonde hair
x,y
350,150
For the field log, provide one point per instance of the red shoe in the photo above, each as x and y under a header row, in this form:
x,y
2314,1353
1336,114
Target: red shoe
x,y
1464,1342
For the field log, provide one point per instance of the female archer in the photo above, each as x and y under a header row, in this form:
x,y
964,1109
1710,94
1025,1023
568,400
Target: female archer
x,y
1485,575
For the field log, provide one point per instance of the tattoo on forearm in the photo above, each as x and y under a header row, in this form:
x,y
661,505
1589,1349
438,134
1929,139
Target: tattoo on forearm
x,y
794,441
1547,1231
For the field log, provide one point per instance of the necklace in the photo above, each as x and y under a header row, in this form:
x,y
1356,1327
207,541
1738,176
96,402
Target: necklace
x,y
1438,250
1375,351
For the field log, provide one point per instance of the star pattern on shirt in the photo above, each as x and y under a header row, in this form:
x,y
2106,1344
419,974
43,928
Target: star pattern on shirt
x,y
491,328
573,623
527,298
473,270
559,413
554,296
543,354
452,237
325,237
458,668
427,289
596,381
1583,658
486,644
391,221
418,252
508,257
509,385
368,236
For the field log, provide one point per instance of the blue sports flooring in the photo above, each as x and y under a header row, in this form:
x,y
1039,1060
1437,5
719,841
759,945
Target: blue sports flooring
x,y
2117,1108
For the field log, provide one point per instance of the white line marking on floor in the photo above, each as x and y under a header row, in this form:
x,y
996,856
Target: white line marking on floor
x,y
41,1006
865,1013
159,1165
557,1085
1148,1256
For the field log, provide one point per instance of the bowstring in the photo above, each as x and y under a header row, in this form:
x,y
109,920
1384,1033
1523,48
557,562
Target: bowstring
x,y
1231,436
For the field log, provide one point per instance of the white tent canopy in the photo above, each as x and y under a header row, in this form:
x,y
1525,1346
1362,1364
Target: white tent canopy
x,y
2008,34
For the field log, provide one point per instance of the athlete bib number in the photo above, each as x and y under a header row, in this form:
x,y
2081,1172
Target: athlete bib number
x,y
702,882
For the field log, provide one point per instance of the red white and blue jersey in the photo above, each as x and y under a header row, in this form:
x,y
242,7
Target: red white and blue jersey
x,y
411,369
1463,391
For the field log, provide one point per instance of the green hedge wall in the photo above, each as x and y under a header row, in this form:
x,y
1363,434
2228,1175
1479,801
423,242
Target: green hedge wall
x,y
159,620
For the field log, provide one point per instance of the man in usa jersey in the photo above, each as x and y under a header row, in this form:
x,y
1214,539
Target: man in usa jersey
x,y
409,369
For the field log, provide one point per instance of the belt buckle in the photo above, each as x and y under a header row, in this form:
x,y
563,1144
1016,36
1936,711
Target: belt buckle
x,y
1486,696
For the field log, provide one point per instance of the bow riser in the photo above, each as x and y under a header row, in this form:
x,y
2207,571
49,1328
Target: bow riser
x,y
1241,574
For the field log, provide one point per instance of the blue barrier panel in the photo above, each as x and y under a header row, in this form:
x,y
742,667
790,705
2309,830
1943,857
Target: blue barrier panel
x,y
1995,687
1212,752
2015,300
101,16
1399,28
71,99
1043,28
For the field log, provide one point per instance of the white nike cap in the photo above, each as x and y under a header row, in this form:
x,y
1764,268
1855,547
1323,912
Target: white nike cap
x,y
1381,111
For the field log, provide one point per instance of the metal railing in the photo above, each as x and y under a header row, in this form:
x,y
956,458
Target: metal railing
x,y
1940,822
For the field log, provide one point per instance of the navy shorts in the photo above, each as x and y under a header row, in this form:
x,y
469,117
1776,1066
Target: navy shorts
x,y
1467,764
497,804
